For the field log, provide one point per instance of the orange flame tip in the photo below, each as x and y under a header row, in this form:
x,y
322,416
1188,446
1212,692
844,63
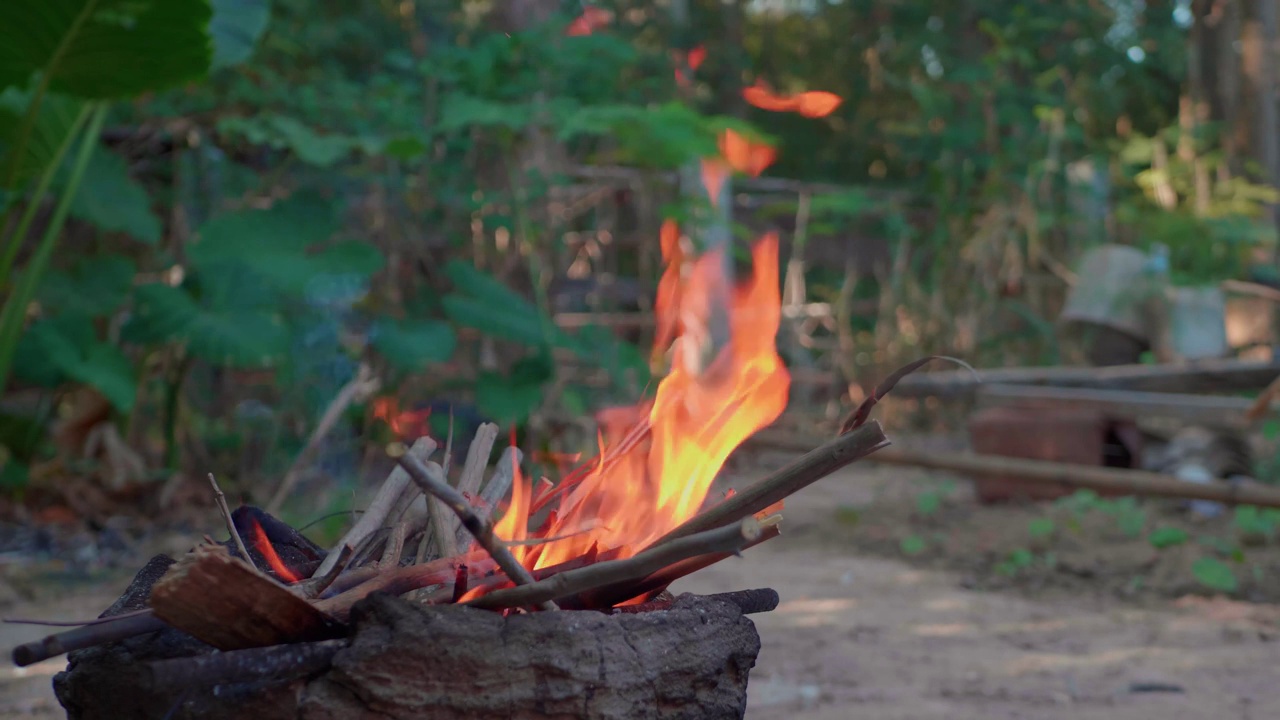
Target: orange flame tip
x,y
812,104
591,20
268,552
744,155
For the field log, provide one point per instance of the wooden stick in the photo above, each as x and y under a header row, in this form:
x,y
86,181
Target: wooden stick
x,y
1219,376
395,546
477,461
224,602
795,476
82,637
1113,480
758,600
313,587
611,595
431,480
723,539
441,521
402,580
276,663
1209,410
231,524
362,385
387,497
497,488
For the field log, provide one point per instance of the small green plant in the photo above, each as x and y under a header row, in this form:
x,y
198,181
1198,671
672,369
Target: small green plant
x,y
913,545
1165,537
927,503
848,515
1041,528
1257,523
1215,574
1016,562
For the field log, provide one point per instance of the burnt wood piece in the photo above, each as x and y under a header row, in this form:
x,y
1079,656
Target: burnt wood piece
x,y
689,661
758,600
229,605
295,550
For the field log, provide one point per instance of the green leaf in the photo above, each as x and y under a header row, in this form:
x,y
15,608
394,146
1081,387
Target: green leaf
x,y
510,399
485,304
69,345
104,49
112,200
242,338
1214,574
412,346
927,503
52,123
1041,527
235,29
93,287
912,545
1164,537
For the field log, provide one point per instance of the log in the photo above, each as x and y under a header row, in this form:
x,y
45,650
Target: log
x,y
1209,410
1204,376
222,601
1093,477
800,473
267,664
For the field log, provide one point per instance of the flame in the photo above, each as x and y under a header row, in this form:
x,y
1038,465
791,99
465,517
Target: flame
x,y
691,62
714,174
744,155
406,424
644,484
263,546
812,104
591,20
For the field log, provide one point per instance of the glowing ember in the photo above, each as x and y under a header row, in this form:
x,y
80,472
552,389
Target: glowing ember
x,y
263,546
650,483
813,104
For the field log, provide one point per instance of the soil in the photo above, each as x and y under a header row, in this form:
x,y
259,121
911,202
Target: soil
x,y
902,598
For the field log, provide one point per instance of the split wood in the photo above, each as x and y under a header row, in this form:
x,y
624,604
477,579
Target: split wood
x,y
431,479
221,499
728,539
387,497
365,383
795,476
222,601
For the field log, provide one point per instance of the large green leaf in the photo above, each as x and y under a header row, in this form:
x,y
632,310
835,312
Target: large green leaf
x,y
411,346
112,200
510,399
235,29
241,338
482,302
93,287
309,145
68,345
49,129
104,49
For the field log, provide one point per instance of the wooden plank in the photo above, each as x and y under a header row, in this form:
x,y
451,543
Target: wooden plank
x,y
1201,376
1216,411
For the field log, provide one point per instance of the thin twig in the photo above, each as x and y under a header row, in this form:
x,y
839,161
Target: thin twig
x,y
431,480
78,623
795,476
365,383
376,514
395,546
312,588
441,520
231,525
723,539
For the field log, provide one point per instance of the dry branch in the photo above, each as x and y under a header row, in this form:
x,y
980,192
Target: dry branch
x,y
432,481
275,663
795,476
725,539
221,499
82,637
1210,410
362,385
388,496
224,602
499,484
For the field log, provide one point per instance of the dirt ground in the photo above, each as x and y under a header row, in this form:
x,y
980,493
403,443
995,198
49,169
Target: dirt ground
x,y
867,630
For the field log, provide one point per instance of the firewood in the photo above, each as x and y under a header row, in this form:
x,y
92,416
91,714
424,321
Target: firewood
x,y
111,630
499,483
750,602
795,476
224,602
430,478
375,516
221,500
257,665
400,581
724,539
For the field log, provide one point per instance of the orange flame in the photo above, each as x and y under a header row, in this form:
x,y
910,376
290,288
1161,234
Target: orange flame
x,y
812,104
591,20
642,487
692,61
714,174
744,155
263,546
406,424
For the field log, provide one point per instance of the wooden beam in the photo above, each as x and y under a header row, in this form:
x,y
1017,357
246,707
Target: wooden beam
x,y
1192,377
1217,411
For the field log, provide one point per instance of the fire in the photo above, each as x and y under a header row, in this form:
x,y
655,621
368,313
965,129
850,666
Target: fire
x,y
692,61
812,104
644,484
591,20
744,155
405,424
263,546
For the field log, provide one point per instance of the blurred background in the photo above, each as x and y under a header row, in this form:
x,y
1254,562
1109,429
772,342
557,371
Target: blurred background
x,y
263,238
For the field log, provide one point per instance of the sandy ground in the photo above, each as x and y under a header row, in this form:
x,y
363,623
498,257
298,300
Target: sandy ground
x,y
859,636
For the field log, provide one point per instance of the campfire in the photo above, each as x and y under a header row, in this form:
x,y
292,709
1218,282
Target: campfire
x,y
470,592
